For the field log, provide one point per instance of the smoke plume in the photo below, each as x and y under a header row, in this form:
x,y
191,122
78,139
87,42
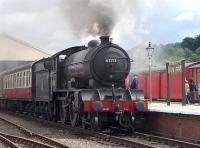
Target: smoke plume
x,y
89,17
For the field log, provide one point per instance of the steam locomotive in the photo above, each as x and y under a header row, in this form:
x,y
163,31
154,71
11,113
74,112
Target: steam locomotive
x,y
81,85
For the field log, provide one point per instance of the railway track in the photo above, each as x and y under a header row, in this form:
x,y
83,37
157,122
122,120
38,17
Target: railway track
x,y
138,140
19,142
33,138
167,141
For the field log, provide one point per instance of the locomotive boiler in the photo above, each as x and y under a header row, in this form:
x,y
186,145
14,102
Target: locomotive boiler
x,y
100,65
80,85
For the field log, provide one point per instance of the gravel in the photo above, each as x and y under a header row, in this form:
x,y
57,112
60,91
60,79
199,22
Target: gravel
x,y
64,136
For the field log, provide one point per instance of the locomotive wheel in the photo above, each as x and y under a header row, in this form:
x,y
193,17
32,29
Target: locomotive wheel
x,y
45,112
73,115
76,109
84,122
50,112
127,122
96,123
62,112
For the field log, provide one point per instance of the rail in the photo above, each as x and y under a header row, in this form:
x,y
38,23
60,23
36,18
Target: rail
x,y
123,141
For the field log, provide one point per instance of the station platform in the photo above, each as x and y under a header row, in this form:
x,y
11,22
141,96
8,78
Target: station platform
x,y
175,121
175,107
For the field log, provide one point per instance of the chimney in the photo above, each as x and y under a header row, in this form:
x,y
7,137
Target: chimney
x,y
105,39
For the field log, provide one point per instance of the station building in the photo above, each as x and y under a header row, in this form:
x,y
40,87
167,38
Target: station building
x,y
14,52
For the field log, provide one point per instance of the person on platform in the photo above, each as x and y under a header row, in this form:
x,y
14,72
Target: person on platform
x,y
198,92
192,91
134,84
187,91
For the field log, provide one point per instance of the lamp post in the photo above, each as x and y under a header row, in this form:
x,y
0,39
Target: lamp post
x,y
149,55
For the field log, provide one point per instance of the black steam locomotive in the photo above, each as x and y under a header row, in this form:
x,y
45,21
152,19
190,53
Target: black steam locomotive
x,y
84,85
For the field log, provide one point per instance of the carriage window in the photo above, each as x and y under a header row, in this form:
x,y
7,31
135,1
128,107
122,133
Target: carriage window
x,y
8,81
20,79
24,74
3,83
17,80
61,57
28,78
12,81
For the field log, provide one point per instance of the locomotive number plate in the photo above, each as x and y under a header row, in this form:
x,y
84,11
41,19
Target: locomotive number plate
x,y
111,60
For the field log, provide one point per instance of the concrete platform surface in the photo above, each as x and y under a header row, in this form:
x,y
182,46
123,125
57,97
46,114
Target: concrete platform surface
x,y
175,107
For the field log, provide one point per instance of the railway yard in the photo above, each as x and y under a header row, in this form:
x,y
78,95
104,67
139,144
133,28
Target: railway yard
x,y
60,135
21,130
46,104
103,74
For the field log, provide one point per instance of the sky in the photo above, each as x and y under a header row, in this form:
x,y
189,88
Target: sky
x,y
55,25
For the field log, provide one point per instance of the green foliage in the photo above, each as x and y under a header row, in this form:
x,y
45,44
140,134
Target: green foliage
x,y
188,43
197,51
188,49
191,43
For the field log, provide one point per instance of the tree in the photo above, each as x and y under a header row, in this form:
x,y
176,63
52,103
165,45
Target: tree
x,y
194,57
197,51
188,42
197,41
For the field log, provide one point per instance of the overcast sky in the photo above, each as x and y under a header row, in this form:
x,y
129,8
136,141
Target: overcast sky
x,y
47,23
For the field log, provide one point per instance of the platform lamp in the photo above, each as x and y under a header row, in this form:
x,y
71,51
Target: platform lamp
x,y
150,51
